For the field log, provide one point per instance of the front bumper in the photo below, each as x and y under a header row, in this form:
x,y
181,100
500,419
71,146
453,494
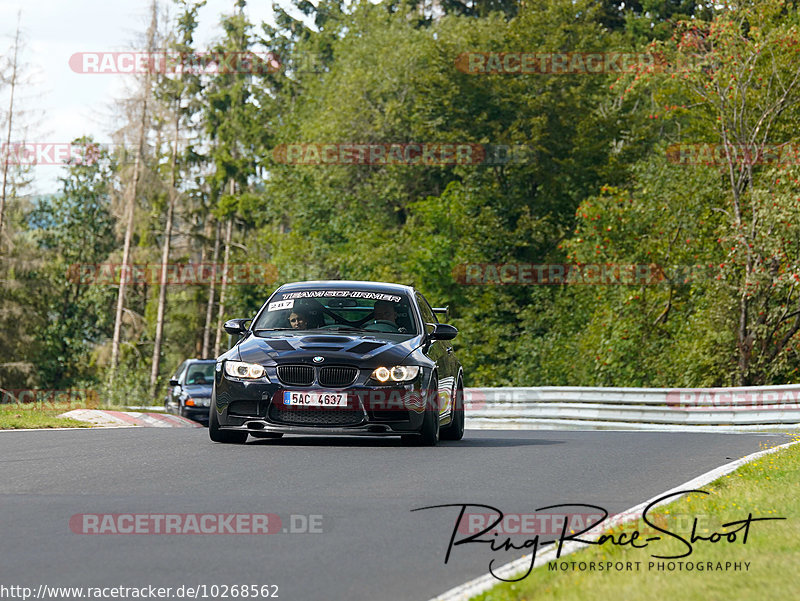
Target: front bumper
x,y
198,414
372,410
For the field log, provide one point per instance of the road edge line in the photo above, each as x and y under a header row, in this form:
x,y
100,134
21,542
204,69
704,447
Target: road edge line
x,y
64,428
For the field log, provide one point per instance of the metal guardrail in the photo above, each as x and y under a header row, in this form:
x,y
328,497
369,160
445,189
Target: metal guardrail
x,y
709,409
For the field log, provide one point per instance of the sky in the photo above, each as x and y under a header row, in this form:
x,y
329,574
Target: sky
x,y
59,104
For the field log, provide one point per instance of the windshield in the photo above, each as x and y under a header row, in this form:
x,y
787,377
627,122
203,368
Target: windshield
x,y
342,310
200,373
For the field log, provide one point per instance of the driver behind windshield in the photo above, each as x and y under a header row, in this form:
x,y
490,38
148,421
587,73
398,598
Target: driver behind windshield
x,y
337,311
385,311
298,319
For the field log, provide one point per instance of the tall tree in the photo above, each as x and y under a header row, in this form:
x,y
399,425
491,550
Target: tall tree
x,y
133,194
173,92
12,83
745,100
232,121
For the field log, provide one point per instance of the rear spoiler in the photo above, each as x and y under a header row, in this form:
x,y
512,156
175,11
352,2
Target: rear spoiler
x,y
441,310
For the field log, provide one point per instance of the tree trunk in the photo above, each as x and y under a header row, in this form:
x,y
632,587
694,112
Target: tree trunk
x,y
9,125
162,291
211,295
131,205
224,284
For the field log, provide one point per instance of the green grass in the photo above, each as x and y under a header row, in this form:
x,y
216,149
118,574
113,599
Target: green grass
x,y
15,416
767,487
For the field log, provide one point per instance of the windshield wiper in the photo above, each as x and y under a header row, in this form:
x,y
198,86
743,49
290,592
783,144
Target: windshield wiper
x,y
270,329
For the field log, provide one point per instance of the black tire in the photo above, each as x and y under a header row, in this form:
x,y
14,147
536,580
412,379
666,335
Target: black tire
x,y
455,429
266,434
224,436
429,433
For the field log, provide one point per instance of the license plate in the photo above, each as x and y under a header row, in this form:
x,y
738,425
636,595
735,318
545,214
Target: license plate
x,y
315,399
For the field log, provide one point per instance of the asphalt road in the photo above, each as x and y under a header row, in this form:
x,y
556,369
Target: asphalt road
x,y
371,547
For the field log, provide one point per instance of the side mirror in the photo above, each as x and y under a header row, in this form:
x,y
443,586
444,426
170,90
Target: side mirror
x,y
173,382
443,331
235,327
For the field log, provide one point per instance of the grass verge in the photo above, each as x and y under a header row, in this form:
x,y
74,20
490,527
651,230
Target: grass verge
x,y
16,416
767,487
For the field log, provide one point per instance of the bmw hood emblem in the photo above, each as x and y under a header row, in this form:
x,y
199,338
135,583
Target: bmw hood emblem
x,y
319,359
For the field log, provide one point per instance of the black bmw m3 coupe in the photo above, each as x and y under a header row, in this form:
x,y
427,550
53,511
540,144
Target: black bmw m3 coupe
x,y
340,357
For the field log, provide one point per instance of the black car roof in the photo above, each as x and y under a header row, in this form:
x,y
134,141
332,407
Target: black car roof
x,y
349,285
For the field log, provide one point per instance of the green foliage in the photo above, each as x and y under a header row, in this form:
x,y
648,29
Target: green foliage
x,y
599,185
74,229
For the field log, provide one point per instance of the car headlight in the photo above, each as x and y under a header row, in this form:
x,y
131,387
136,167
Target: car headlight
x,y
197,402
398,373
246,371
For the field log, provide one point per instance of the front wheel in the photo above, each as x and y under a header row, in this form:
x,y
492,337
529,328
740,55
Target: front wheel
x,y
429,433
455,429
224,436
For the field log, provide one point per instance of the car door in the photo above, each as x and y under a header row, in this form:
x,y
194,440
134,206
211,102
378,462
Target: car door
x,y
440,351
174,392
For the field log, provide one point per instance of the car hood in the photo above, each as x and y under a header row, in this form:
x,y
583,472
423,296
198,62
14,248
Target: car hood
x,y
197,390
366,349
